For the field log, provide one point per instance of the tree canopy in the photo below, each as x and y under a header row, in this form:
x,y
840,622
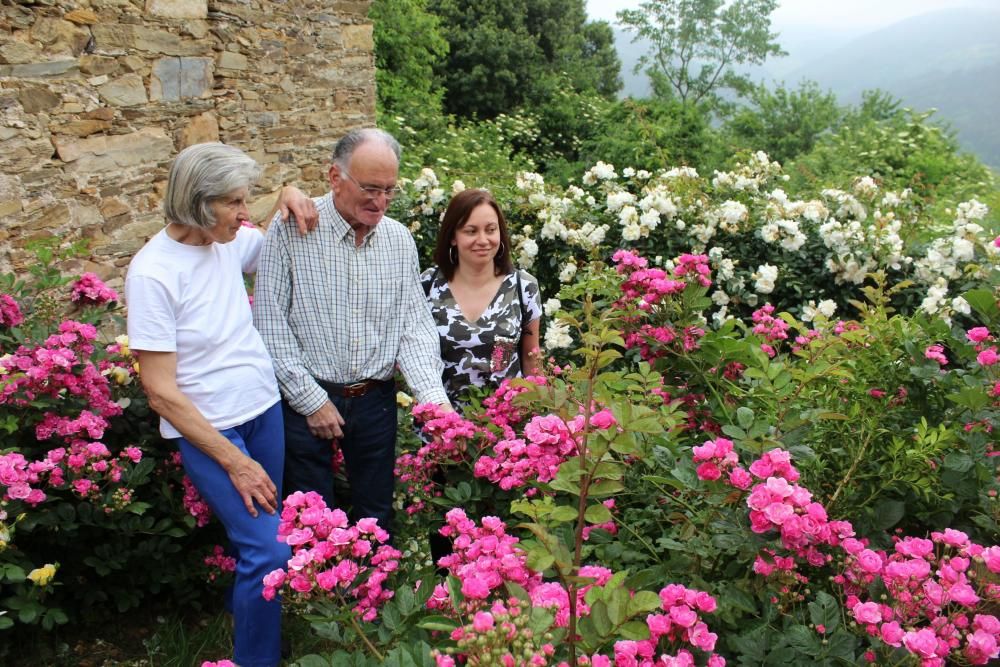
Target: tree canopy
x,y
697,44
504,53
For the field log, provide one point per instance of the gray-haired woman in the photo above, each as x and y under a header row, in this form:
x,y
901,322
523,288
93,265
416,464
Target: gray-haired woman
x,y
208,375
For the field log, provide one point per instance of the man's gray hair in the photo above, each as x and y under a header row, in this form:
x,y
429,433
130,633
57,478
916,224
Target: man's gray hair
x,y
200,175
345,148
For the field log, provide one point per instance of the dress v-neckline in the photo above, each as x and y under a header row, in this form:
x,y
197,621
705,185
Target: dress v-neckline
x,y
489,304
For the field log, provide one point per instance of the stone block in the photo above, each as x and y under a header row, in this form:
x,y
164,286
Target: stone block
x,y
232,60
200,129
108,154
97,65
82,17
22,153
59,36
19,53
174,79
37,98
358,37
177,9
121,38
80,127
38,70
125,91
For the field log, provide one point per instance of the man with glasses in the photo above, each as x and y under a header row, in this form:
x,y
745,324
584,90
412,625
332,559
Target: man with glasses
x,y
338,310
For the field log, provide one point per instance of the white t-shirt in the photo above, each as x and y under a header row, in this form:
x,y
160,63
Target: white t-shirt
x,y
192,300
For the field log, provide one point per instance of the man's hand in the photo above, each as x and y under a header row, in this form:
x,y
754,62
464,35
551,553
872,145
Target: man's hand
x,y
326,423
292,201
253,485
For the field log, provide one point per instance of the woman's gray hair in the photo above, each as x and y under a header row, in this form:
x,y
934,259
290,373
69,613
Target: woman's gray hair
x,y
202,174
345,148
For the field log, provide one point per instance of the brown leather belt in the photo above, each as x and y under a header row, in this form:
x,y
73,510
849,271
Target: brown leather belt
x,y
354,389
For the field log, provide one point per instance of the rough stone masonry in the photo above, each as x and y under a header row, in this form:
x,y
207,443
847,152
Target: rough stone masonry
x,y
96,98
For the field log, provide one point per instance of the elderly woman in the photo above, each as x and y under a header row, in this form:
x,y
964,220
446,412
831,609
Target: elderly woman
x,y
207,374
486,311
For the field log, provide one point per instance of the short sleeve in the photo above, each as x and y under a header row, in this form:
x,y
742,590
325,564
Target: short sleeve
x,y
427,280
152,320
250,240
531,297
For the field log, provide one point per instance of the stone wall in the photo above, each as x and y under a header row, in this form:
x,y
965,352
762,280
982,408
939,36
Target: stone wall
x,y
96,98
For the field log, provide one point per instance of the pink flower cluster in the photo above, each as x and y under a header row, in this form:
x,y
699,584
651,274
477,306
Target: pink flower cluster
x,y
656,341
715,458
219,564
192,500
932,605
771,328
10,311
517,462
59,367
331,556
987,354
501,410
489,639
650,286
89,290
680,624
220,663
484,558
448,436
85,468
936,353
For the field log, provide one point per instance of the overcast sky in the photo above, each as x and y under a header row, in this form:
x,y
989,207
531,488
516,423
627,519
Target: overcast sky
x,y
857,14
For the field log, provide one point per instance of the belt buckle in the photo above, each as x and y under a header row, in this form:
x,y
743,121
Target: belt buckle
x,y
355,389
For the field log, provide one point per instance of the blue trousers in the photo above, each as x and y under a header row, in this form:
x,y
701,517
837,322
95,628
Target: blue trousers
x,y
257,622
369,447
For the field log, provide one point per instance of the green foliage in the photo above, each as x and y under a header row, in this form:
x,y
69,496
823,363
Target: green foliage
x,y
408,47
504,54
781,122
697,44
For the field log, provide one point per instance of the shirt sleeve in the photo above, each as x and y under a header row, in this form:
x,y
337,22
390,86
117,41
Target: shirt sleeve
x,y
271,307
152,320
420,348
531,297
251,241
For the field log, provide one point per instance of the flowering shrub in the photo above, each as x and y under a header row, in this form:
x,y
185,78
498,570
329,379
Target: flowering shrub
x,y
81,467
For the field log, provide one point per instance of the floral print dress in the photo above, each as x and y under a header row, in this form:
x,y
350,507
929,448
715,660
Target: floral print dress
x,y
484,352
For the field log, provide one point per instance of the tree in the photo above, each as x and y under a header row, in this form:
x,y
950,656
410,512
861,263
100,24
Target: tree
x,y
697,44
408,46
784,123
504,53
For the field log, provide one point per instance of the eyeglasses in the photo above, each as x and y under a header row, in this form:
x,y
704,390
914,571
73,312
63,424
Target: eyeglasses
x,y
372,192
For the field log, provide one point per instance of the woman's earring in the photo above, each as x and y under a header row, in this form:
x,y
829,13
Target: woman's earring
x,y
453,255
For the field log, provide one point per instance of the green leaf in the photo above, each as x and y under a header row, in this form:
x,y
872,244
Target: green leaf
x,y
888,513
607,487
312,660
597,514
601,619
634,631
959,462
734,432
643,601
441,623
803,639
984,302
744,417
825,611
540,559
563,513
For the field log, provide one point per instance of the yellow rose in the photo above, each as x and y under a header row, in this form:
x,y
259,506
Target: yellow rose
x,y
403,400
120,375
42,576
123,343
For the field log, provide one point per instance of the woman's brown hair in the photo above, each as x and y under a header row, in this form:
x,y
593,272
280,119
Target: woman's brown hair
x,y
459,209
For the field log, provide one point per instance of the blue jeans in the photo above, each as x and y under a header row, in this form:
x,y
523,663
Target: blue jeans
x,y
369,447
257,622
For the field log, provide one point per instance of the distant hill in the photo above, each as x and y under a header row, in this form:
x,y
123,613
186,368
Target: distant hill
x,y
947,60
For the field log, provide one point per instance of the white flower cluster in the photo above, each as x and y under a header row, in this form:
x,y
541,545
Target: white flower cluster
x,y
810,310
857,246
428,193
765,276
749,177
601,171
952,257
557,336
